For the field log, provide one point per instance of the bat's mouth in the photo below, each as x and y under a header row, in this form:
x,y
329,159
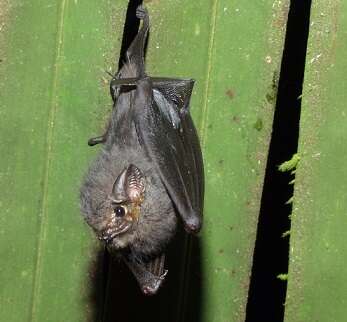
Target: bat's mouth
x,y
112,232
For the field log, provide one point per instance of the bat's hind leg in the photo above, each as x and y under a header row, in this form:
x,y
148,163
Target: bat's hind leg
x,y
150,276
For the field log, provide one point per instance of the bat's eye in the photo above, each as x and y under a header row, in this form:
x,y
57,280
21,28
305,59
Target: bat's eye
x,y
120,211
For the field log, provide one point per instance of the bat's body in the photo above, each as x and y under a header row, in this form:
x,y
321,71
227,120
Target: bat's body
x,y
149,171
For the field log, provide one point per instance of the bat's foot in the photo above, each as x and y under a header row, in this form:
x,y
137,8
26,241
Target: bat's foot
x,y
150,276
149,290
141,12
152,287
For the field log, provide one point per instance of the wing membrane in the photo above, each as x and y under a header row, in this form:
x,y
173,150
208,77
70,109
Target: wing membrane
x,y
173,147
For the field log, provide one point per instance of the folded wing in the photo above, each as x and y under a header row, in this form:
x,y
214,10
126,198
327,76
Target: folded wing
x,y
168,135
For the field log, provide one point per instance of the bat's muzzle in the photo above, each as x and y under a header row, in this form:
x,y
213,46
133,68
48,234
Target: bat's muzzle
x,y
115,228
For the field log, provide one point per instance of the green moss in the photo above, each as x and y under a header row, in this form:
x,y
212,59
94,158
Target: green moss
x,y
290,200
286,234
290,164
282,277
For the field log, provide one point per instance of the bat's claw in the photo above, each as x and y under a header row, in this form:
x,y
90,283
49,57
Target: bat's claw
x,y
147,290
141,12
151,289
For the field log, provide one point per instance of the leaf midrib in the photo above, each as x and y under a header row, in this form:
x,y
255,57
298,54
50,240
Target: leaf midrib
x,y
48,152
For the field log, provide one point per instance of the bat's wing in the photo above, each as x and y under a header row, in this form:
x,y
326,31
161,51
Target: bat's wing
x,y
168,135
165,128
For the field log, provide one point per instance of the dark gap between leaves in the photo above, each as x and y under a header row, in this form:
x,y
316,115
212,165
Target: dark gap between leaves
x,y
267,293
131,27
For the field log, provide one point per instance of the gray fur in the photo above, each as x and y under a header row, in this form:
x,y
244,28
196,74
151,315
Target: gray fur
x,y
157,221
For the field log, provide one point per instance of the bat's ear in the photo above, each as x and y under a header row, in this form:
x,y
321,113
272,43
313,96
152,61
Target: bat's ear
x,y
129,185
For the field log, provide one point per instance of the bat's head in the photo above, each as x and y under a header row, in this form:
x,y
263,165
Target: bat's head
x,y
125,202
127,207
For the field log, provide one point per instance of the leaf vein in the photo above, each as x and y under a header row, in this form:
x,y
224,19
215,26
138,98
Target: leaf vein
x,y
50,130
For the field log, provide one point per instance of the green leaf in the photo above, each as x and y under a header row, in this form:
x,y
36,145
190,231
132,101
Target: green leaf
x,y
54,95
317,285
53,98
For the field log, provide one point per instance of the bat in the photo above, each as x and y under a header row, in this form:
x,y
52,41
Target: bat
x,y
148,177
